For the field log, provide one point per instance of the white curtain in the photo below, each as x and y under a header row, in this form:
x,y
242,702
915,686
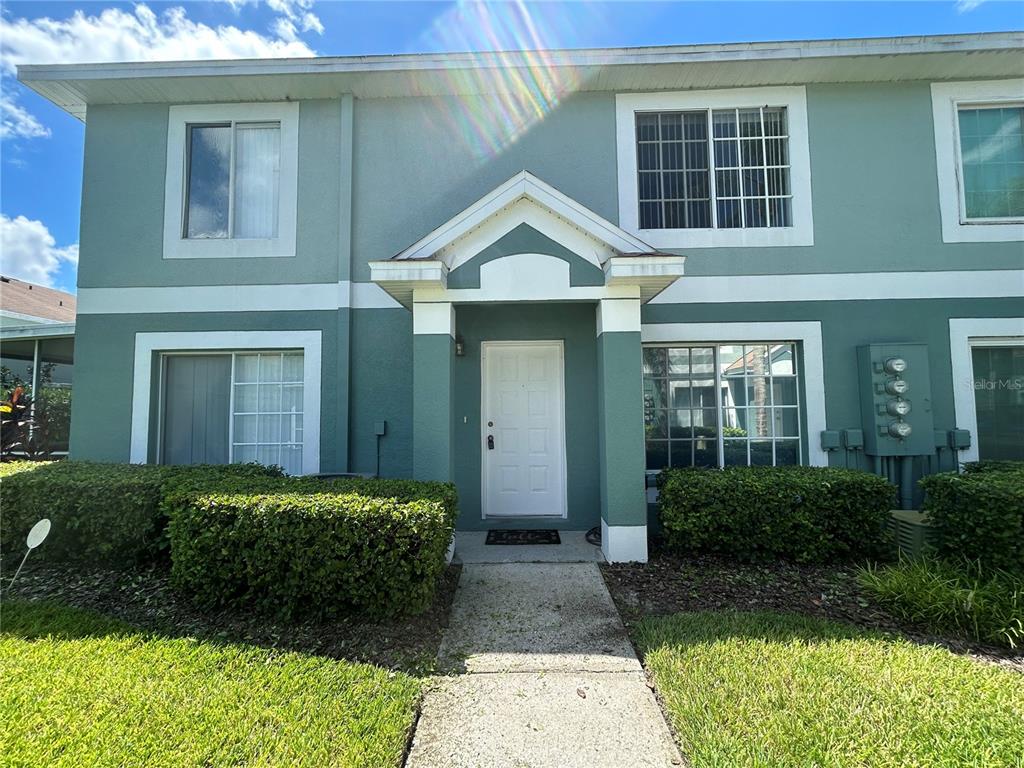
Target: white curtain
x,y
257,172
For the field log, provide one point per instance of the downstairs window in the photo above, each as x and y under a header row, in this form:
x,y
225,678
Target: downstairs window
x,y
715,405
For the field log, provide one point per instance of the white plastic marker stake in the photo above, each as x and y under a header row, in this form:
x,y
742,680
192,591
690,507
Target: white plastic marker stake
x,y
35,537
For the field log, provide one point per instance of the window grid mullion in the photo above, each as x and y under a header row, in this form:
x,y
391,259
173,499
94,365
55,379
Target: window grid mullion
x,y
739,165
764,174
712,171
720,416
231,413
231,186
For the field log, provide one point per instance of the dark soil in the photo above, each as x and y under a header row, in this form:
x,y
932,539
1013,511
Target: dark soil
x,y
673,584
143,597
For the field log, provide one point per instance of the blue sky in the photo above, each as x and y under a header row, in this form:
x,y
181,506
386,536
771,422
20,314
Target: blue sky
x,y
41,147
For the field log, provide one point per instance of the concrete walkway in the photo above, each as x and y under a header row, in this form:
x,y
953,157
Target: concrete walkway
x,y
543,674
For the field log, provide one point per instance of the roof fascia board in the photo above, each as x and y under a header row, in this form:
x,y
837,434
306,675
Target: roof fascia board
x,y
794,49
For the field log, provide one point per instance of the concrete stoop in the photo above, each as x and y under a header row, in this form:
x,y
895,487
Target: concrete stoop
x,y
548,677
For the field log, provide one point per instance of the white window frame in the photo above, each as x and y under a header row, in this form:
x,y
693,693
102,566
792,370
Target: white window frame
x,y
807,334
964,335
947,99
148,344
176,246
793,98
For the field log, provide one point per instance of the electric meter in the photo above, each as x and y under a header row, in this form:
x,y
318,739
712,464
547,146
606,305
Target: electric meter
x,y
897,387
898,407
895,365
899,429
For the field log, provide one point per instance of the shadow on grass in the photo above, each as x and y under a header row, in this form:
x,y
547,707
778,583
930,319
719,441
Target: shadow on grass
x,y
141,602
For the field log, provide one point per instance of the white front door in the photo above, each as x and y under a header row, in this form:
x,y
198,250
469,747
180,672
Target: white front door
x,y
523,429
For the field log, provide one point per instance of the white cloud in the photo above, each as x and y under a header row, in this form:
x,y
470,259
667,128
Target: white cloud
x,y
29,252
16,122
137,35
966,6
140,34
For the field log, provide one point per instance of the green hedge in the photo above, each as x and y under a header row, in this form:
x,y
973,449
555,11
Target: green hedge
x,y
979,514
106,513
804,514
314,547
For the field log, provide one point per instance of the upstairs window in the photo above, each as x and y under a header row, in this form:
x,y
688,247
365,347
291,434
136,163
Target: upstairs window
x,y
717,168
991,162
729,168
979,160
233,180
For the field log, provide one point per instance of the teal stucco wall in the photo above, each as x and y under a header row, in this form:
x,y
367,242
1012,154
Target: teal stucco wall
x,y
574,325
375,175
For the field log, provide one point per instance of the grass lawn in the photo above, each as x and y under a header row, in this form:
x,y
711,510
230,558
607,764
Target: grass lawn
x,y
746,689
82,689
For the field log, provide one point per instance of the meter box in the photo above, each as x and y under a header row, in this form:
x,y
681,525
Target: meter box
x,y
896,399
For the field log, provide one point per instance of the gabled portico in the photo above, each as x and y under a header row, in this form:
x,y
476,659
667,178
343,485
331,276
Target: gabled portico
x,y
536,259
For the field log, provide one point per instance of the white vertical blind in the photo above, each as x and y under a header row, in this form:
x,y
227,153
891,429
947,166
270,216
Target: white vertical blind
x,y
257,172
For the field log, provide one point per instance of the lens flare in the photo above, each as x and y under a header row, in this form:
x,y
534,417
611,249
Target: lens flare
x,y
511,77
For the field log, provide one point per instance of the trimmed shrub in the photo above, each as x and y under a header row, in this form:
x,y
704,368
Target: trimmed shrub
x,y
8,468
108,513
979,515
959,597
804,514
993,465
314,547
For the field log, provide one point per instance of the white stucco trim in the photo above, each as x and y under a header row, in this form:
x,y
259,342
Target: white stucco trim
x,y
807,333
433,318
846,286
618,316
794,98
146,344
624,543
525,211
177,247
524,185
946,98
964,335
233,298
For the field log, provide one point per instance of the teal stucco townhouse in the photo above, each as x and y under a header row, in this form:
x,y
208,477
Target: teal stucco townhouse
x,y
546,276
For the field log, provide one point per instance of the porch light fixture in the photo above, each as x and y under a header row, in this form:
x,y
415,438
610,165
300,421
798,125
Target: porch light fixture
x,y
460,346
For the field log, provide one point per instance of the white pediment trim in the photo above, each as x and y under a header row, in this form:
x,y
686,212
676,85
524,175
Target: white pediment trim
x,y
525,198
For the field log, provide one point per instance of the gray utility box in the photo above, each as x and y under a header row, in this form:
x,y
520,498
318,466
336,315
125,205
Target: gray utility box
x,y
896,399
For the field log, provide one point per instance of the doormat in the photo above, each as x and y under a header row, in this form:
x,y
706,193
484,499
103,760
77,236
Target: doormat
x,y
523,537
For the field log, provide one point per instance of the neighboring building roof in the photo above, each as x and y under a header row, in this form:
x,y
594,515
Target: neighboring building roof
x,y
941,57
39,331
24,303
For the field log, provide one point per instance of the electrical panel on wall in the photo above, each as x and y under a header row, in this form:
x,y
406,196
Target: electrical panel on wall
x,y
895,399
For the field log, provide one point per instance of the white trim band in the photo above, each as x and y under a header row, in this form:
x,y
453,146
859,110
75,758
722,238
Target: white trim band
x,y
807,333
233,298
624,543
964,334
844,286
618,316
146,344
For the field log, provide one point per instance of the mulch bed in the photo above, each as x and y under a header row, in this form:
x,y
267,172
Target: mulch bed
x,y
143,597
672,584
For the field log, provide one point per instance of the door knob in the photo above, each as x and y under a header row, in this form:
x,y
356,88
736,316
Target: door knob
x,y
490,442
